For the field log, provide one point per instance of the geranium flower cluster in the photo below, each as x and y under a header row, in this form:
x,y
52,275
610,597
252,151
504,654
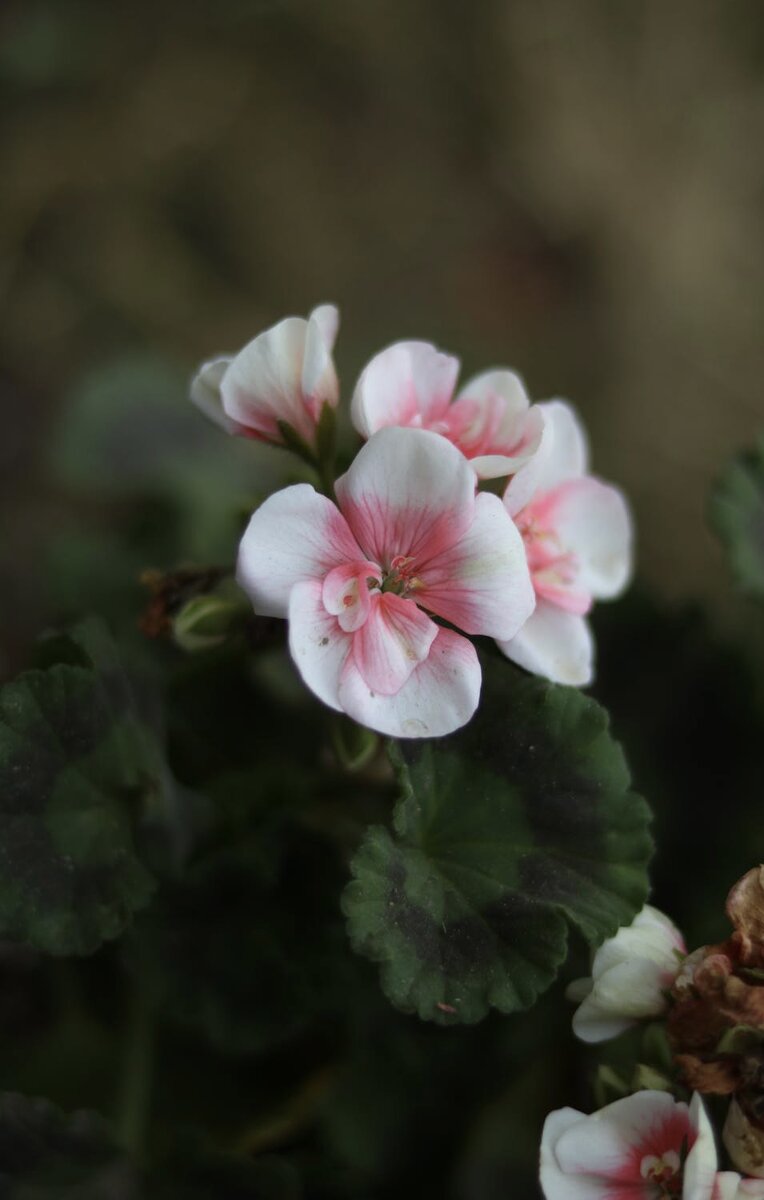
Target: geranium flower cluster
x,y
651,1144
386,576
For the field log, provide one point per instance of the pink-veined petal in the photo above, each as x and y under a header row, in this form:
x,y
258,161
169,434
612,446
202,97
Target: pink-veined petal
x,y
408,493
592,520
319,377
318,646
263,384
555,644
530,433
440,695
613,1142
346,593
295,535
409,383
562,454
482,584
392,642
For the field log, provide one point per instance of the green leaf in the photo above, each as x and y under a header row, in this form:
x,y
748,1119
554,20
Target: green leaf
x,y
507,831
247,947
76,763
45,1155
737,515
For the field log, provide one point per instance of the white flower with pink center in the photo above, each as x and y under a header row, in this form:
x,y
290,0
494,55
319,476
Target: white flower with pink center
x,y
648,1146
577,533
412,384
285,374
361,582
631,973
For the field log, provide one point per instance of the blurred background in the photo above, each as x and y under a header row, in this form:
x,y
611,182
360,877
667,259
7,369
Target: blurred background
x,y
574,188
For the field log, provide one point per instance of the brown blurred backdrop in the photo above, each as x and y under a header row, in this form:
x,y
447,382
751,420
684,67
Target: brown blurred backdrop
x,y
574,188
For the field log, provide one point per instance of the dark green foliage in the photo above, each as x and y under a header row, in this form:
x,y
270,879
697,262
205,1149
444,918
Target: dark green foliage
x,y
685,700
45,1155
506,831
737,515
77,765
247,946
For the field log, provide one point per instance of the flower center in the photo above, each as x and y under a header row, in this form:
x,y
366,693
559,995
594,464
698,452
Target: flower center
x,y
400,578
665,1172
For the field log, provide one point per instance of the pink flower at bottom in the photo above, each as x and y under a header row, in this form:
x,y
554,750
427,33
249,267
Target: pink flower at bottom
x,y
648,1146
577,534
361,581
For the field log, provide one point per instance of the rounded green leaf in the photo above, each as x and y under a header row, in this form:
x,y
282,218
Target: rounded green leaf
x,y
506,832
76,764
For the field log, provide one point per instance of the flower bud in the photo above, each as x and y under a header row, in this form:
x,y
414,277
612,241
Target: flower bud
x,y
630,975
206,621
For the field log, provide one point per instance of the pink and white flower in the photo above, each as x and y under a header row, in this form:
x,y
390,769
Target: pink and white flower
x,y
648,1146
361,581
285,374
577,533
411,384
631,973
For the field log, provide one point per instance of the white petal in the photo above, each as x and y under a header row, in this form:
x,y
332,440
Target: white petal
x,y
439,696
392,642
630,991
482,584
319,377
205,393
554,1183
750,1187
294,536
263,384
409,383
317,644
408,492
592,520
727,1185
701,1164
594,1023
555,644
562,455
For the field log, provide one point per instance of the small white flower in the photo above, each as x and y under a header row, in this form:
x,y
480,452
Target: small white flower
x,y
630,975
